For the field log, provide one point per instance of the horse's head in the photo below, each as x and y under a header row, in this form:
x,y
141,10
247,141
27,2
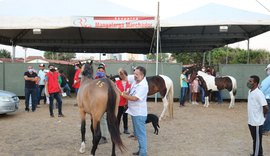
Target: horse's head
x,y
87,70
113,77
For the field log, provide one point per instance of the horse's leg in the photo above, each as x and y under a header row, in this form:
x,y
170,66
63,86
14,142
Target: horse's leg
x,y
113,149
96,133
206,101
232,100
83,114
165,107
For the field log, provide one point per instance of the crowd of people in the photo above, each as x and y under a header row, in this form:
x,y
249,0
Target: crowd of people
x,y
133,99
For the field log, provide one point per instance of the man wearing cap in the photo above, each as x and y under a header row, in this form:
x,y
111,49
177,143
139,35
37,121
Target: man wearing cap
x,y
100,71
265,88
41,83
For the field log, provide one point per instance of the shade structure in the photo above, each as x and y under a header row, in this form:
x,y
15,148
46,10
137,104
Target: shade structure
x,y
194,31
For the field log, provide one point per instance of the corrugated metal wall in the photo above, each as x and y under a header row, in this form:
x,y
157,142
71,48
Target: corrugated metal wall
x,y
241,72
1,76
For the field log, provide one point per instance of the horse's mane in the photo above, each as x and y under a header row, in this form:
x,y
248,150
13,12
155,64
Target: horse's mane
x,y
87,70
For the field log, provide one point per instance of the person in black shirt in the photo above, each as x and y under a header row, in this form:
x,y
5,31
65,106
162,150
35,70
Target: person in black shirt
x,y
31,80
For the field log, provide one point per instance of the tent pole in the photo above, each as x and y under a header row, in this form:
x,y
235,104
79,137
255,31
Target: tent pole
x,y
157,47
248,51
13,51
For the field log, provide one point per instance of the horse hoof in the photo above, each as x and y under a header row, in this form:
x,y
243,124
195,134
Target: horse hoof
x,y
82,149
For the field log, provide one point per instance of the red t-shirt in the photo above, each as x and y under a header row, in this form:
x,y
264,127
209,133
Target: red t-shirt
x,y
76,78
53,84
122,88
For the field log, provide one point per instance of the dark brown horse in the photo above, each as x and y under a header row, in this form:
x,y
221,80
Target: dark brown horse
x,y
95,97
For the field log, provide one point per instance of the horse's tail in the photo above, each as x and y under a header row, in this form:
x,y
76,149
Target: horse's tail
x,y
111,117
170,99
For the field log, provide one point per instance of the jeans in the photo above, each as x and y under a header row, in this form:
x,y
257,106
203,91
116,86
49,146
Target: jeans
x,y
140,133
66,88
76,91
104,126
183,95
56,96
33,93
266,125
202,94
40,89
219,98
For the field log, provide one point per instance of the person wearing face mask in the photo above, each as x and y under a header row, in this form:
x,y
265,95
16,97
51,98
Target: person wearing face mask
x,y
53,90
137,107
257,109
30,89
265,88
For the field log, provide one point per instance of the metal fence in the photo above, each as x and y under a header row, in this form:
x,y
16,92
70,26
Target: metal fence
x,y
11,74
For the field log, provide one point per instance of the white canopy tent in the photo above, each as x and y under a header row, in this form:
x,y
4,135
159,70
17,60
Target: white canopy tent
x,y
76,30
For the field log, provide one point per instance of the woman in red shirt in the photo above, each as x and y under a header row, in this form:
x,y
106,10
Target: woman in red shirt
x,y
124,86
76,80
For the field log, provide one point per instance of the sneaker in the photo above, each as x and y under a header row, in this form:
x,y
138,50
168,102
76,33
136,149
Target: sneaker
x,y
126,132
26,109
60,115
52,116
136,153
103,140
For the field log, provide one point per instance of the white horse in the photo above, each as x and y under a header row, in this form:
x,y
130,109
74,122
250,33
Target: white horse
x,y
211,83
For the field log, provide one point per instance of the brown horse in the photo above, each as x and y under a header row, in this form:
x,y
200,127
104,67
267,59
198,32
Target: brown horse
x,y
95,97
210,83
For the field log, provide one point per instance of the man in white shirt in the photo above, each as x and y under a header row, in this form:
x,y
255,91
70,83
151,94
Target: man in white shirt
x,y
137,108
41,83
257,109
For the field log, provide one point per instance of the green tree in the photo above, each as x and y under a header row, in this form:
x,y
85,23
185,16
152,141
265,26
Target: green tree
x,y
162,57
188,57
59,56
225,55
4,53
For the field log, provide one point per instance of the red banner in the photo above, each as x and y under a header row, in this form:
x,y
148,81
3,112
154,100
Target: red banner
x,y
116,22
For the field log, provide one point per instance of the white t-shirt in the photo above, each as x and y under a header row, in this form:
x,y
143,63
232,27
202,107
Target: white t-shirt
x,y
139,107
41,75
256,101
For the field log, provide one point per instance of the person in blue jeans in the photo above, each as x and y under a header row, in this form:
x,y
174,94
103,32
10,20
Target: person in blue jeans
x,y
184,86
265,88
30,88
137,108
41,83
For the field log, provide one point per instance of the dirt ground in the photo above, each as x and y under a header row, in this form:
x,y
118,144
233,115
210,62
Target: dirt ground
x,y
194,131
